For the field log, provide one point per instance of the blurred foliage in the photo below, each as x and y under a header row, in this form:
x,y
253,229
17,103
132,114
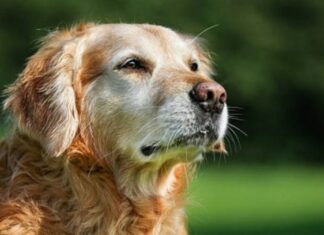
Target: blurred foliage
x,y
268,54
270,57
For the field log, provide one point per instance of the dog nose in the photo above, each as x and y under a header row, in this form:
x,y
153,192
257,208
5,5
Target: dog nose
x,y
210,96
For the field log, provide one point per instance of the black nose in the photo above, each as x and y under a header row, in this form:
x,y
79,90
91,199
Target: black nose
x,y
210,96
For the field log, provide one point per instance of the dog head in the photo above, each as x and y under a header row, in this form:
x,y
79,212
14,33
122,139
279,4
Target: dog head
x,y
143,90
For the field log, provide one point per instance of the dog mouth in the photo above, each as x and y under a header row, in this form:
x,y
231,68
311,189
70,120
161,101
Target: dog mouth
x,y
201,131
202,138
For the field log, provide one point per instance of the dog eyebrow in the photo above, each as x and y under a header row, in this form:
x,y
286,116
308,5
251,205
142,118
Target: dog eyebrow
x,y
120,56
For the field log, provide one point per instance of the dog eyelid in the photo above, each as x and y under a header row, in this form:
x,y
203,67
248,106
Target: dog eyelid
x,y
133,63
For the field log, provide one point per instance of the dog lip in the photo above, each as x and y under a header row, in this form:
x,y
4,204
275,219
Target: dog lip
x,y
148,150
201,138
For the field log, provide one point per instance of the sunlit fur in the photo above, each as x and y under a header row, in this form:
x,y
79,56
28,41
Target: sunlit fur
x,y
72,163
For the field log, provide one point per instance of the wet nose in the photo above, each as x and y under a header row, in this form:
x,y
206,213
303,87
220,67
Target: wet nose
x,y
210,96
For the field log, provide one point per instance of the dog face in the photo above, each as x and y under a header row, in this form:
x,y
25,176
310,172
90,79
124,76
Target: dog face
x,y
143,95
139,89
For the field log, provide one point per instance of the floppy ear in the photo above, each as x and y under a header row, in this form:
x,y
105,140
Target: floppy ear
x,y
42,100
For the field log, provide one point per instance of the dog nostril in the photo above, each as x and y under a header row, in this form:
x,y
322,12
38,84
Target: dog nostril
x,y
222,98
210,95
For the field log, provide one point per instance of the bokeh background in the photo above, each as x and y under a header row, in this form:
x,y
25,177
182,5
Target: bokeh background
x,y
270,57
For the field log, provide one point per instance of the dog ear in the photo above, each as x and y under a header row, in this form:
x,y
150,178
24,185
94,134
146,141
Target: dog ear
x,y
43,100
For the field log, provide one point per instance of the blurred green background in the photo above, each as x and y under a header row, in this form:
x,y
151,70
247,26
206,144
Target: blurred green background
x,y
269,55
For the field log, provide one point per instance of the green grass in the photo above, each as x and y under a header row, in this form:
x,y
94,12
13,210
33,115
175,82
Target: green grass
x,y
257,200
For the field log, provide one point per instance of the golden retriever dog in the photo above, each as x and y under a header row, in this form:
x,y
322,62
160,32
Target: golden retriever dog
x,y
108,123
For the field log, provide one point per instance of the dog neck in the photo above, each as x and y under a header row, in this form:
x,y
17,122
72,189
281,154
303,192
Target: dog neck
x,y
94,196
150,193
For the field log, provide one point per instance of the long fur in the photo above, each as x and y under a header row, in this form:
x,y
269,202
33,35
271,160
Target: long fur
x,y
60,173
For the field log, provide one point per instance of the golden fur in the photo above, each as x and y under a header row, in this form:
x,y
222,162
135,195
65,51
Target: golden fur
x,y
61,170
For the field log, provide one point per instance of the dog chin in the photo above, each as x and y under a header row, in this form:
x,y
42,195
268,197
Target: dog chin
x,y
202,140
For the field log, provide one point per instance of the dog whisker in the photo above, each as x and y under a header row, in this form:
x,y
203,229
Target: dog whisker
x,y
112,124
203,31
238,129
233,140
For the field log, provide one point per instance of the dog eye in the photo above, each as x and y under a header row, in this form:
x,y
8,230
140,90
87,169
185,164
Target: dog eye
x,y
194,67
134,64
